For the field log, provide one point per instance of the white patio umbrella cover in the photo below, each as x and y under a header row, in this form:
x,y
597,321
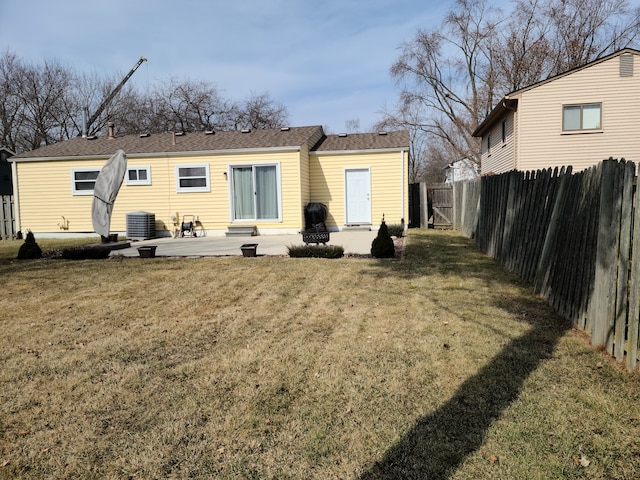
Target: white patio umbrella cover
x,y
106,190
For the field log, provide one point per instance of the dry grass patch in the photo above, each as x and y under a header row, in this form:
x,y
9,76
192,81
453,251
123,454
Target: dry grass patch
x,y
302,368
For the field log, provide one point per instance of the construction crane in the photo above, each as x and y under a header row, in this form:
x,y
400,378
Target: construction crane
x,y
107,100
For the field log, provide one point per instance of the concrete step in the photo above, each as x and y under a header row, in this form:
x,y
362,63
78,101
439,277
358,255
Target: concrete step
x,y
356,228
241,231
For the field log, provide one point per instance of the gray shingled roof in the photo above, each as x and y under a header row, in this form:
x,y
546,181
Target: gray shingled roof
x,y
293,137
189,142
364,141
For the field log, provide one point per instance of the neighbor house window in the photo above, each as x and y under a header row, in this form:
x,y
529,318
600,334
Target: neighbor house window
x,y
504,131
138,176
587,116
83,180
255,191
192,178
489,144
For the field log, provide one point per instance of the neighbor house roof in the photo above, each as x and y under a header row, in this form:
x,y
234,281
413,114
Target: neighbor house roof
x,y
205,142
510,100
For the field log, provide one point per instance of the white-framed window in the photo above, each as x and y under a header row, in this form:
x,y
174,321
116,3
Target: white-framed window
x,y
504,131
255,192
83,180
193,178
138,175
585,116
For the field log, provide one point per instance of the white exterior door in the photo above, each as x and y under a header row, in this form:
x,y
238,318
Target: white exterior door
x,y
357,196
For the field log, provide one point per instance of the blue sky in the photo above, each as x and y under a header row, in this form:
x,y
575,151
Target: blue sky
x,y
327,61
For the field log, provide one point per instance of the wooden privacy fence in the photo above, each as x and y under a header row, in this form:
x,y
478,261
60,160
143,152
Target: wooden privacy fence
x,y
573,236
7,220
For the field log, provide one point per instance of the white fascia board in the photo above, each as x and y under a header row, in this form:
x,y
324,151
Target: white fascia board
x,y
368,150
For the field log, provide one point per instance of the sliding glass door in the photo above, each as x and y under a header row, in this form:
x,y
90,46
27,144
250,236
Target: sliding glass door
x,y
256,194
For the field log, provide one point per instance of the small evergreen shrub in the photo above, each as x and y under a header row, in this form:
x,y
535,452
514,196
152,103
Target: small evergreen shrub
x,y
396,230
29,249
315,251
382,246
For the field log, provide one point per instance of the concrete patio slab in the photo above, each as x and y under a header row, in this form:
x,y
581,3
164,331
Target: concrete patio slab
x,y
354,242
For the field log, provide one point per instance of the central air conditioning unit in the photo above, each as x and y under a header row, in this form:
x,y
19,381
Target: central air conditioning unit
x,y
141,225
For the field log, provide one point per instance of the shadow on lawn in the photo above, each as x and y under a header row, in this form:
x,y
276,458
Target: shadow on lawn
x,y
435,447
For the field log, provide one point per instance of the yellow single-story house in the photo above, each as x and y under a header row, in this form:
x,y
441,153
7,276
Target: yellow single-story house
x,y
577,118
261,179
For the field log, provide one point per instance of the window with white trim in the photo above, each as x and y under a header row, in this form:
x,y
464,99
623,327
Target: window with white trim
x,y
83,180
586,116
138,175
193,178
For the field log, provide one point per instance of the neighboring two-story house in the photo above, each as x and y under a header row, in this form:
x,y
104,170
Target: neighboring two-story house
x,y
577,118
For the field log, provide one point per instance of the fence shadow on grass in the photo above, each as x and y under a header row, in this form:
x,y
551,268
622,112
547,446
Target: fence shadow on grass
x,y
437,444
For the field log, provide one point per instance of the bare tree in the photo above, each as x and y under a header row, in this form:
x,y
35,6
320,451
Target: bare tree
x,y
543,38
584,30
42,104
188,106
451,91
352,126
91,91
453,75
260,111
420,144
43,93
11,108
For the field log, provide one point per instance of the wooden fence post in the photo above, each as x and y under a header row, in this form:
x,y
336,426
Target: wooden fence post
x,y
544,264
7,217
633,328
625,202
603,301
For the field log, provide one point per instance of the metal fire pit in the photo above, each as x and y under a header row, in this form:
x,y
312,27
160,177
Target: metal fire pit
x,y
315,236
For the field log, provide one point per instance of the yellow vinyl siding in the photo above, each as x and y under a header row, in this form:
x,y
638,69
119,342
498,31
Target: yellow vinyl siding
x,y
53,180
542,142
305,185
388,179
45,191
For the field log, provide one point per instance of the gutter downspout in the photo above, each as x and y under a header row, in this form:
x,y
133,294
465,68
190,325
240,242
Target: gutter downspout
x,y
16,203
